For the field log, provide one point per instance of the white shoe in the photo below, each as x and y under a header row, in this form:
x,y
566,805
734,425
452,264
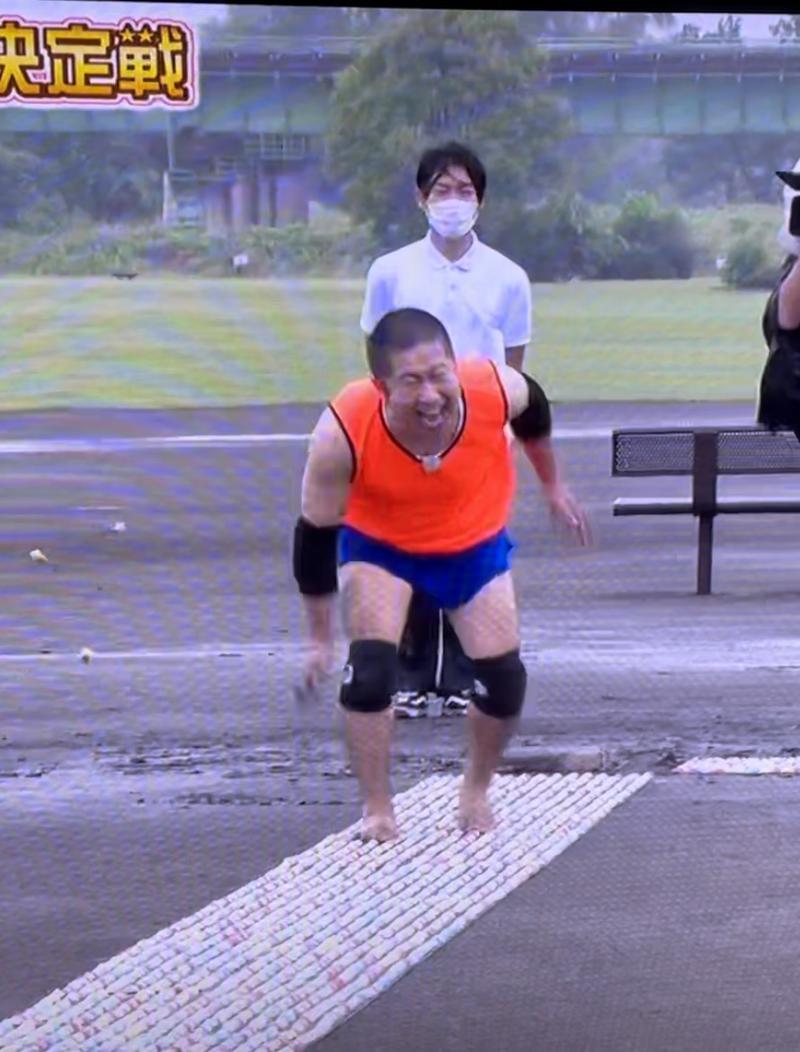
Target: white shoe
x,y
410,704
457,704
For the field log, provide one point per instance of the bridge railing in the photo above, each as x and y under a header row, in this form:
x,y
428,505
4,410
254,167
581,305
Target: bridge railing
x,y
623,44
344,47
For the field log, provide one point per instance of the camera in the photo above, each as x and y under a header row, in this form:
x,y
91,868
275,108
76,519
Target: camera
x,y
794,217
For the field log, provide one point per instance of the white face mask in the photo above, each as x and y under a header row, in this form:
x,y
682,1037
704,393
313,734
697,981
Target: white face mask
x,y
452,218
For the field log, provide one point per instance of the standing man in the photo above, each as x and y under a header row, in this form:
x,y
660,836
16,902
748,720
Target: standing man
x,y
409,484
483,300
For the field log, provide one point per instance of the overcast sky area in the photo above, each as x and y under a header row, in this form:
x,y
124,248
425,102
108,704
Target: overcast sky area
x,y
754,26
110,10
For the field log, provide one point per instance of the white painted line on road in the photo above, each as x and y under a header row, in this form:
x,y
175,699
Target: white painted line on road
x,y
98,507
584,651
209,650
16,447
34,446
568,433
284,960
700,654
754,765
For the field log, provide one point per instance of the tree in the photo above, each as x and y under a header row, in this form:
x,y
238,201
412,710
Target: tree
x,y
438,75
278,20
625,25
786,29
113,177
729,28
689,32
721,169
28,182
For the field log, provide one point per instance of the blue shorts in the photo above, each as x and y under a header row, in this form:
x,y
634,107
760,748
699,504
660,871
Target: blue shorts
x,y
449,580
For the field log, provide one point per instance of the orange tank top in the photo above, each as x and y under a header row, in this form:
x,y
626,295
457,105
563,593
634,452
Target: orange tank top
x,y
395,500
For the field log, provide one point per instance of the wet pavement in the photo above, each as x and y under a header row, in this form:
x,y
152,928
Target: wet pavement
x,y
176,765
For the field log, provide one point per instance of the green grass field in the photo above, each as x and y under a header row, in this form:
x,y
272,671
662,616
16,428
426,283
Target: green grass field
x,y
188,342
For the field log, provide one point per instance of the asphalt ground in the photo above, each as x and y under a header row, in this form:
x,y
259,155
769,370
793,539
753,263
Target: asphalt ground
x,y
175,766
670,925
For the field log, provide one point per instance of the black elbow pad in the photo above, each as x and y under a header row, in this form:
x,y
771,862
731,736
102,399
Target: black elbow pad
x,y
535,421
314,558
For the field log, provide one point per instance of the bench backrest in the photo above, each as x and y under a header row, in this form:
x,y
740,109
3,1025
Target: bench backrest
x,y
672,451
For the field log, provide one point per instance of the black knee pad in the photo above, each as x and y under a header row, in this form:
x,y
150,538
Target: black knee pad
x,y
370,676
501,685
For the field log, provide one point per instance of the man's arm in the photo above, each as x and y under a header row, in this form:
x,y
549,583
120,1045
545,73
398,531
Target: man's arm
x,y
515,357
327,474
531,421
377,298
789,299
326,483
516,325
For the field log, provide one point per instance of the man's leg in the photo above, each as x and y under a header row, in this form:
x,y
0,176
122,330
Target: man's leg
x,y
418,656
457,680
488,628
374,605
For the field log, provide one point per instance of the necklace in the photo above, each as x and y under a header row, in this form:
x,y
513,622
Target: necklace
x,y
431,462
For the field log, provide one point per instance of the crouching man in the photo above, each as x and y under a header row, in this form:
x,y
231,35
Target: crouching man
x,y
409,484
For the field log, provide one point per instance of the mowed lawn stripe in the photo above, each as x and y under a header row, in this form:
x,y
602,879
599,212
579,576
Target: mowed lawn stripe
x,y
167,342
681,340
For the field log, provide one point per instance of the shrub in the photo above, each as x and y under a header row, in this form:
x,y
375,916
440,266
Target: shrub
x,y
567,237
563,238
83,249
748,264
658,241
300,249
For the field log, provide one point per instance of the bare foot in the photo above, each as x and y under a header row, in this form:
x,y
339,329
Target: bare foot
x,y
474,812
380,826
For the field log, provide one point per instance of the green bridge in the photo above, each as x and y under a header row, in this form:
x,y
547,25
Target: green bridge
x,y
679,89
248,152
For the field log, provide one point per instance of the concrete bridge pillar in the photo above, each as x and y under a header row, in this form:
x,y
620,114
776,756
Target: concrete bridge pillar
x,y
284,196
292,196
245,201
217,206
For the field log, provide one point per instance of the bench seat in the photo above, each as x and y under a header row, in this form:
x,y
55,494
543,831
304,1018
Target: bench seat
x,y
705,454
724,505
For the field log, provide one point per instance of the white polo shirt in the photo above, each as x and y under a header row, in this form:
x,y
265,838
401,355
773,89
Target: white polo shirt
x,y
482,299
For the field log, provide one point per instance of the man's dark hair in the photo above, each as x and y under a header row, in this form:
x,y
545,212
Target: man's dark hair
x,y
435,162
400,330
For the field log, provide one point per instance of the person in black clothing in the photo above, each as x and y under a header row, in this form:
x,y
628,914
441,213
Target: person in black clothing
x,y
779,391
484,301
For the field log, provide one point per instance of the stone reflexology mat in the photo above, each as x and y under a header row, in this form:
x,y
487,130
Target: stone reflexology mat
x,y
283,960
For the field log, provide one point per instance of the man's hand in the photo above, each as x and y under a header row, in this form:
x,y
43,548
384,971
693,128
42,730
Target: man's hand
x,y
567,513
319,664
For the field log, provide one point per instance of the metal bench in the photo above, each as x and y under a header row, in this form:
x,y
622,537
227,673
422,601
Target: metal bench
x,y
705,453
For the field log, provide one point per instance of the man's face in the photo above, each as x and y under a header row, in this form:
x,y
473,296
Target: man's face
x,y
423,386
453,184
